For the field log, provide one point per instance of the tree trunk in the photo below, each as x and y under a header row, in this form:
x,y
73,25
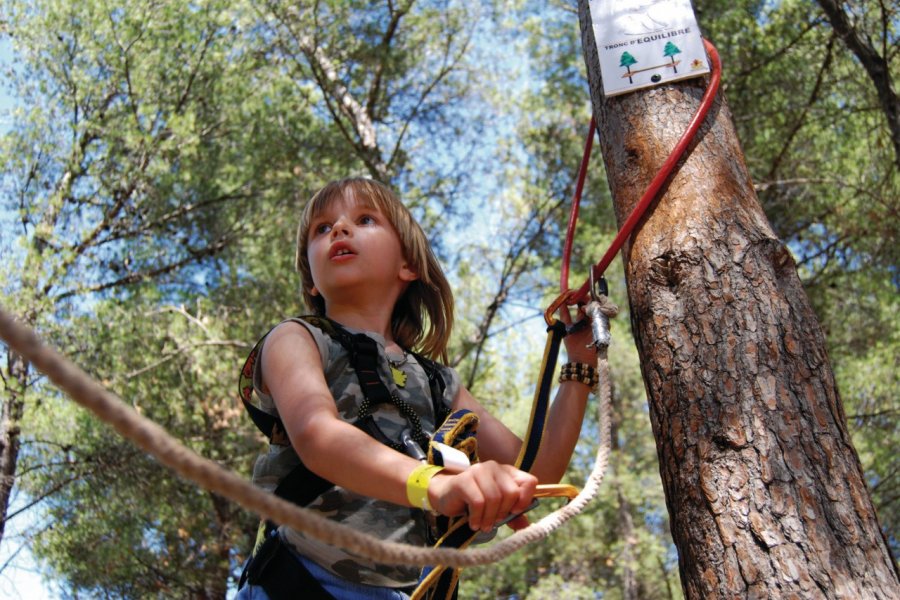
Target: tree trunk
x,y
764,488
13,405
877,66
220,547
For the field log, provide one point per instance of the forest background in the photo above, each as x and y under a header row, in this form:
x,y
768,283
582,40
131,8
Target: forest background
x,y
156,160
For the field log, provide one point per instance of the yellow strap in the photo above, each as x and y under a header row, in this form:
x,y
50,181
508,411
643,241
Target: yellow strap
x,y
417,485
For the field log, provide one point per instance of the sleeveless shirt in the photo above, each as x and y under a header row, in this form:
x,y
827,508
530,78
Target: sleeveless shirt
x,y
384,520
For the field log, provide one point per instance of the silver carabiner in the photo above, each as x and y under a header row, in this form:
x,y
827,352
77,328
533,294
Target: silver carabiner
x,y
598,288
599,319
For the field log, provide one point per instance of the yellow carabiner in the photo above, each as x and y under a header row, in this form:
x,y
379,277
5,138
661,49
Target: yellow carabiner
x,y
554,306
556,490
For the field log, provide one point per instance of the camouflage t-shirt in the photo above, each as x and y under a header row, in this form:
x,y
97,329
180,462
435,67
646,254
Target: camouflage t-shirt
x,y
383,520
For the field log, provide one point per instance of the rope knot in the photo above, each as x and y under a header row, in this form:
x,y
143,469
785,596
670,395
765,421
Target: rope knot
x,y
606,307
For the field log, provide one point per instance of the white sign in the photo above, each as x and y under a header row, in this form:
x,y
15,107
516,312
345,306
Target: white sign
x,y
643,43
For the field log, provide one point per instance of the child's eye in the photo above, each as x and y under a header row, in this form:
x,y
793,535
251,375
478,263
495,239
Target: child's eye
x,y
322,228
367,220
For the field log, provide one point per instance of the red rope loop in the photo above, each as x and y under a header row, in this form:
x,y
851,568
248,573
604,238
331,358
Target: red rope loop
x,y
570,297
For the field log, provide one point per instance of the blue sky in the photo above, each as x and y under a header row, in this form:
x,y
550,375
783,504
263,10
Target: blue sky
x,y
6,101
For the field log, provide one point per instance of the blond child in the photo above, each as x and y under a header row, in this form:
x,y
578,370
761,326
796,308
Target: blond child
x,y
366,265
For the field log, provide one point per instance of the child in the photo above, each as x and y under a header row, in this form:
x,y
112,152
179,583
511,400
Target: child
x,y
367,265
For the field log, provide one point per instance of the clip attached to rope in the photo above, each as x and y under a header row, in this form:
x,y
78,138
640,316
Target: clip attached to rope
x,y
599,288
597,314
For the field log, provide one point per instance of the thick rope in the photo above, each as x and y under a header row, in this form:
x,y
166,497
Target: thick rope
x,y
153,439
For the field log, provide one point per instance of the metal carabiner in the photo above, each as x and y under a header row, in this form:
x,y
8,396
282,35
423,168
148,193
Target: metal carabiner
x,y
554,306
601,284
599,319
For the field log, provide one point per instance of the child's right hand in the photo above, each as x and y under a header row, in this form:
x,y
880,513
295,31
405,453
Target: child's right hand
x,y
487,491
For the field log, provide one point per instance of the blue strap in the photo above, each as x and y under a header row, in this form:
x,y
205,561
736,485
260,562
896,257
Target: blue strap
x,y
540,408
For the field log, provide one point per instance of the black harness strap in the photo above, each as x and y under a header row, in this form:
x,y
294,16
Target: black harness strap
x,y
301,486
363,354
364,357
541,406
438,387
270,425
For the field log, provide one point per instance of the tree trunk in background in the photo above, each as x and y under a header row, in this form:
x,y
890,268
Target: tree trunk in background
x,y
877,66
763,485
626,558
13,406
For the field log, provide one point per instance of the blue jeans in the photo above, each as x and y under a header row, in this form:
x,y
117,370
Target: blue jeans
x,y
341,589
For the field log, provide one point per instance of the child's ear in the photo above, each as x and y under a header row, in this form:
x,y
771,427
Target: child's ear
x,y
313,291
407,274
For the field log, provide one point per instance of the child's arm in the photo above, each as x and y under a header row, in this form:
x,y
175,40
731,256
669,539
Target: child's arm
x,y
497,442
348,457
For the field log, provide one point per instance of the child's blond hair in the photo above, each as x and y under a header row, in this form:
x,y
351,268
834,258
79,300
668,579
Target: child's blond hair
x,y
428,298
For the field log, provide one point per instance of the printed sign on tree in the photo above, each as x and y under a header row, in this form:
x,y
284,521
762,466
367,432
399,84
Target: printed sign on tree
x,y
643,43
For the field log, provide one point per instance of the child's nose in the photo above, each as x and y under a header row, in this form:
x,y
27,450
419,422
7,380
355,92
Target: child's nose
x,y
340,227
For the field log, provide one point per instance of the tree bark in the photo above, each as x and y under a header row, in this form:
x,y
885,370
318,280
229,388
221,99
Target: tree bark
x,y
13,406
763,485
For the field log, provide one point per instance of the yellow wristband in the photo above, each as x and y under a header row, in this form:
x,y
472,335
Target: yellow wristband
x,y
417,485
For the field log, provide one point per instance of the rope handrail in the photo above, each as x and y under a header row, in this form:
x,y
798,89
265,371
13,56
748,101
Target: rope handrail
x,y
208,474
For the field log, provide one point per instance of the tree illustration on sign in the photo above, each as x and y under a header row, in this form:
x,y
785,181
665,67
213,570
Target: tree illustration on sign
x,y
671,50
626,61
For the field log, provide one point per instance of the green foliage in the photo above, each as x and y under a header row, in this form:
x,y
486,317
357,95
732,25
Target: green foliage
x,y
159,159
160,156
124,163
142,523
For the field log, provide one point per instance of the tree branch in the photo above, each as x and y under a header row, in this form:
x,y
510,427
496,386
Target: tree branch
x,y
180,211
338,98
513,268
801,120
183,349
875,64
375,88
196,256
448,66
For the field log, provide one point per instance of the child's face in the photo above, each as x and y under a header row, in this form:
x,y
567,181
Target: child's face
x,y
355,253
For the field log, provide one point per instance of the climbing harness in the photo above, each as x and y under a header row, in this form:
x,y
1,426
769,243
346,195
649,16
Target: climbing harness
x,y
153,439
456,436
301,486
363,353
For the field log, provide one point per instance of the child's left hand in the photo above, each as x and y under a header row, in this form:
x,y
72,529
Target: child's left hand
x,y
579,344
